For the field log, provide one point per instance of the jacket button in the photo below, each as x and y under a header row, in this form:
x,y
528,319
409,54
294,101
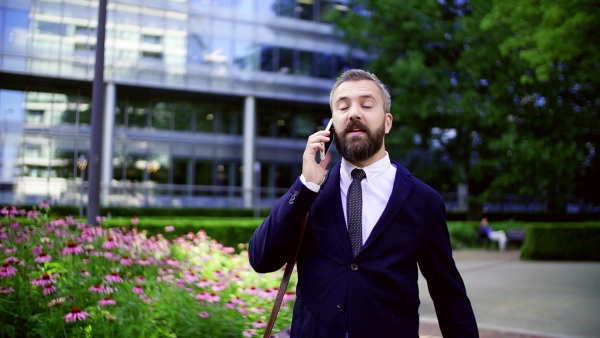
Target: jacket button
x,y
340,307
354,267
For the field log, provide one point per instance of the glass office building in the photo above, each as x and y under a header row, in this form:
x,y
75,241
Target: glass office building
x,y
207,103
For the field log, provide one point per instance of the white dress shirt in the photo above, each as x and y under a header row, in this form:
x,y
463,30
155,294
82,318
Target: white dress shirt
x,y
376,190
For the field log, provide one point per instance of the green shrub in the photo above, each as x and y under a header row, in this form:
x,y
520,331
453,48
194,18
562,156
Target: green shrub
x,y
229,231
562,241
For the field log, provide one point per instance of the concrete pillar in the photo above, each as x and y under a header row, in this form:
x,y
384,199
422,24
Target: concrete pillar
x,y
249,150
108,128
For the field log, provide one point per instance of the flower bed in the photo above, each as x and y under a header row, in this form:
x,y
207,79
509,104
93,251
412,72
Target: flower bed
x,y
63,278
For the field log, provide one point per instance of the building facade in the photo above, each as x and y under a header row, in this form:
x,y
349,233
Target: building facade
x,y
208,103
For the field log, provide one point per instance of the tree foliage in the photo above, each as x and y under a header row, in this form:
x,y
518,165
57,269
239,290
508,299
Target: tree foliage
x,y
501,94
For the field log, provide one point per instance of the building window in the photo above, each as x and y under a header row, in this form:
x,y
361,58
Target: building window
x,y
137,115
52,28
162,115
152,39
268,58
152,55
85,31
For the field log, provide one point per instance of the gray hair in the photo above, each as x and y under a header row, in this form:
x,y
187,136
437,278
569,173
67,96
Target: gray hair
x,y
358,75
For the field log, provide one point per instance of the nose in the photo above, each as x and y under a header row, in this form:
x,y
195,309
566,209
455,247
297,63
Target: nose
x,y
354,112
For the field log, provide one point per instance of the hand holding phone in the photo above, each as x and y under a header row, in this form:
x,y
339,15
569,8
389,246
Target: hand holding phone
x,y
327,145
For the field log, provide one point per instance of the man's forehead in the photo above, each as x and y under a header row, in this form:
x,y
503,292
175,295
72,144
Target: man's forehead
x,y
362,88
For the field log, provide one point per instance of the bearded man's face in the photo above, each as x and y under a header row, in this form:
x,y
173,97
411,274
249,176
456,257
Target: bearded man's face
x,y
359,148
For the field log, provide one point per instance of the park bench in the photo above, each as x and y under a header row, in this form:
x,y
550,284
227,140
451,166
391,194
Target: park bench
x,y
515,236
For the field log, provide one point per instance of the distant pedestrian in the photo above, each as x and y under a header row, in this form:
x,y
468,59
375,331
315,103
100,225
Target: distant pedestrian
x,y
493,235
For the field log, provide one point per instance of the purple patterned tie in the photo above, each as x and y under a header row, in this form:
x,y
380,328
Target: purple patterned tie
x,y
354,210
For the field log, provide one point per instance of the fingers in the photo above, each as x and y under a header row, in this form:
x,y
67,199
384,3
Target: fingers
x,y
313,171
315,144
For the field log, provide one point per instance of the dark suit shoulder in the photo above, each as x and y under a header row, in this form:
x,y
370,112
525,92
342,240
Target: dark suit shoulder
x,y
417,185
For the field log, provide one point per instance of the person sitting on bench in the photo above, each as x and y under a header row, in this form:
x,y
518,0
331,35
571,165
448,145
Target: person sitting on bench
x,y
497,236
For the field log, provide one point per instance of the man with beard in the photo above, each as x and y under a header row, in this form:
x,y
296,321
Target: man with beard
x,y
367,234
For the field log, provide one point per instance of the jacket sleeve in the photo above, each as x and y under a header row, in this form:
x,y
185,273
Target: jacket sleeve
x,y
446,287
273,240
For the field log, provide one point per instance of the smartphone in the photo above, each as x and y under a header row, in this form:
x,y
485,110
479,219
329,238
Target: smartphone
x,y
327,145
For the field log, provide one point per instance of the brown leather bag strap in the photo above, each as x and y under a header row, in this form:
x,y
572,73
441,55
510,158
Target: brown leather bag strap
x,y
286,279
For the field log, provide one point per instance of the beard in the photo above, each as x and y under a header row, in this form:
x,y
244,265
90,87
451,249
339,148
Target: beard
x,y
357,148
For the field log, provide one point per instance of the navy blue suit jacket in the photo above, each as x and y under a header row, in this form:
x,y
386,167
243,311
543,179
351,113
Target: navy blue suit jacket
x,y
374,294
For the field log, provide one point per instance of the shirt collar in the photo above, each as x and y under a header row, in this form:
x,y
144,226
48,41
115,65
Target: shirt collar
x,y
373,170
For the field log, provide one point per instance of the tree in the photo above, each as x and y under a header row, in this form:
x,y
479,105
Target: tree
x,y
473,96
553,132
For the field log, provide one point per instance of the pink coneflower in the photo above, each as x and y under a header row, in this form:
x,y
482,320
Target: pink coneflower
x,y
6,290
249,333
111,256
189,276
107,301
135,220
144,261
110,243
251,290
85,273
138,289
289,295
43,257
14,225
97,288
43,280
140,279
56,301
256,309
113,277
219,286
10,249
44,205
204,314
73,248
126,261
210,297
32,213
268,293
76,314
258,324
9,211
236,278
7,270
204,283
49,289
38,249
14,260
169,228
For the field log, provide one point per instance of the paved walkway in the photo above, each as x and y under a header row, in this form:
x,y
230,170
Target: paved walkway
x,y
524,299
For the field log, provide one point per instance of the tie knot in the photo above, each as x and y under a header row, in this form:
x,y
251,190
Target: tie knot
x,y
358,174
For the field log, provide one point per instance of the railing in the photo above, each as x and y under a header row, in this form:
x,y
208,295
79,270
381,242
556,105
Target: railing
x,y
60,191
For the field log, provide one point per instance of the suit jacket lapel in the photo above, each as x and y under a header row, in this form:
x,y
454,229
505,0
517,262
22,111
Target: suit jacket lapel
x,y
402,186
330,194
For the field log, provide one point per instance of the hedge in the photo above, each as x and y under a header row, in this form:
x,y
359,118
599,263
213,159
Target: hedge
x,y
562,242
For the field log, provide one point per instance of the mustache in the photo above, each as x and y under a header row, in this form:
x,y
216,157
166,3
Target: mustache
x,y
353,125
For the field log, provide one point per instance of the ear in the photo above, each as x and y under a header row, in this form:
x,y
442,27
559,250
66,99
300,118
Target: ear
x,y
388,122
